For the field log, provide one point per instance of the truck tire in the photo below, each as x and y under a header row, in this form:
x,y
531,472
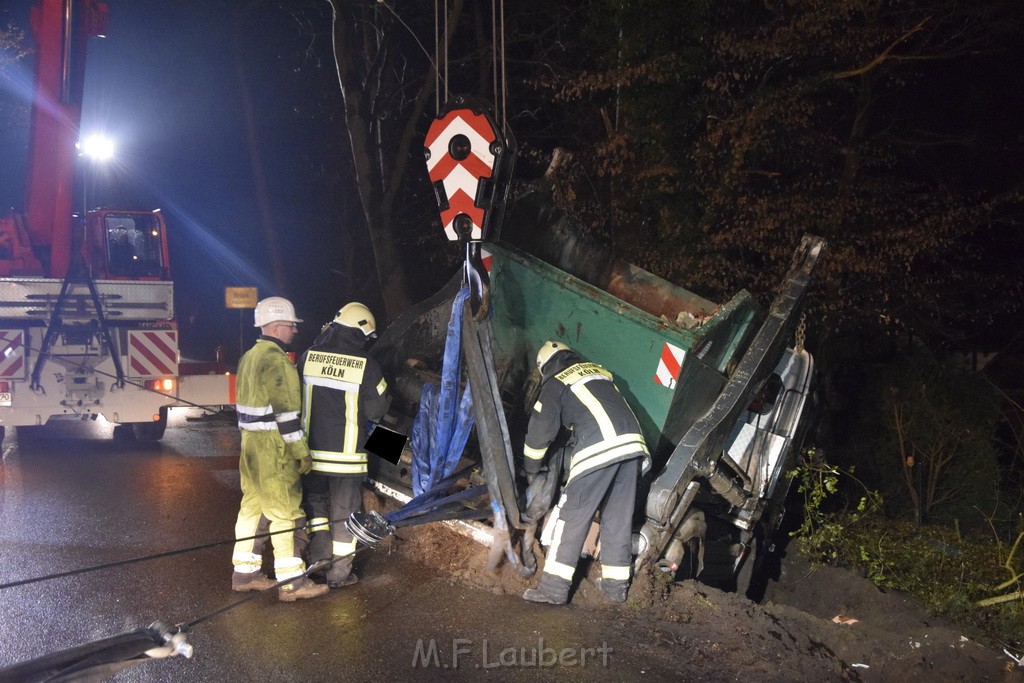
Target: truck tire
x,y
151,431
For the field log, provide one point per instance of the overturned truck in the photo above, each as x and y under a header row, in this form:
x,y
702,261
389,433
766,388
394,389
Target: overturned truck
x,y
721,391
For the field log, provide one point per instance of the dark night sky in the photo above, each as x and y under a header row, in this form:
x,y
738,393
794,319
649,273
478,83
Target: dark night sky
x,y
170,84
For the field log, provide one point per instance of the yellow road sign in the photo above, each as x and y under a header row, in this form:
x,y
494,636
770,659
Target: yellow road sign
x,y
240,297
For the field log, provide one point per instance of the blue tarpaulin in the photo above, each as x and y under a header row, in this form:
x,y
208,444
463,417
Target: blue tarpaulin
x,y
441,427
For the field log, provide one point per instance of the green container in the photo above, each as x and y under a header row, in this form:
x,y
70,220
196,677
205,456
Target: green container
x,y
534,302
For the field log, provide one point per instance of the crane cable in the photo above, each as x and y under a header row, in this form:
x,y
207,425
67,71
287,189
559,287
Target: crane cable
x,y
437,72
499,72
440,57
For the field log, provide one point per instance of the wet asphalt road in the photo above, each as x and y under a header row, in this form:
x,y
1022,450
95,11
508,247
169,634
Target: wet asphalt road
x,y
71,497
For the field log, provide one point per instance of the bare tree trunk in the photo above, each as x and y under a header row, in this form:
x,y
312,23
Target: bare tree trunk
x,y
362,54
909,461
350,49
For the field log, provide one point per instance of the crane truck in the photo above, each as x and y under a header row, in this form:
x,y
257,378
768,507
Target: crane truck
x,y
87,323
722,390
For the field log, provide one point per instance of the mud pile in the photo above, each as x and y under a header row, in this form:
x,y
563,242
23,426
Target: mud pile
x,y
816,624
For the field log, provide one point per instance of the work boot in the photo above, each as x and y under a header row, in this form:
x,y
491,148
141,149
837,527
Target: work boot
x,y
253,581
613,590
339,580
300,589
347,580
537,595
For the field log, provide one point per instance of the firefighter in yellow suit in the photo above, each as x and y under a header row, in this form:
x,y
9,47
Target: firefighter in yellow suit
x,y
274,455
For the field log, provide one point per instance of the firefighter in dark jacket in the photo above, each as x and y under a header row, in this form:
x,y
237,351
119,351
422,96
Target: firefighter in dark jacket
x,y
274,455
605,455
343,390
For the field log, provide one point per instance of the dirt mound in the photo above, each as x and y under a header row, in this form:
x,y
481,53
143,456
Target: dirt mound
x,y
825,624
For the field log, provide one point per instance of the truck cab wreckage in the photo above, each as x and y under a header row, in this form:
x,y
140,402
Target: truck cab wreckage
x,y
721,391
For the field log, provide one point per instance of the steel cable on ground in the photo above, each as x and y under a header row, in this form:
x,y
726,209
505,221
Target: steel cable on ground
x,y
146,558
319,565
427,508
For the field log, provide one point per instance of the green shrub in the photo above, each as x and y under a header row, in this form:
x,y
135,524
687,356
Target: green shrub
x,y
936,564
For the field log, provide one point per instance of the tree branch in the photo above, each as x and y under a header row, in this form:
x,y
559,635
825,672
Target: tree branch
x,y
885,55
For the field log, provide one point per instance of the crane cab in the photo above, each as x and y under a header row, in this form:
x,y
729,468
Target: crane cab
x,y
127,245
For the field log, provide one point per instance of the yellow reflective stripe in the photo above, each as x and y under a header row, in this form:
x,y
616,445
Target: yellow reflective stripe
x,y
534,453
338,468
307,406
382,386
343,547
351,421
319,524
538,407
553,566
600,461
597,461
335,456
562,571
615,573
332,462
633,439
591,403
288,567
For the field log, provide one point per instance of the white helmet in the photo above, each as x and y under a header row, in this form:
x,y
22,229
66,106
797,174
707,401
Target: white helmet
x,y
275,309
356,314
547,350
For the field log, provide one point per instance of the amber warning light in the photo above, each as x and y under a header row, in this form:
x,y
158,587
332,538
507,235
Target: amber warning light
x,y
164,385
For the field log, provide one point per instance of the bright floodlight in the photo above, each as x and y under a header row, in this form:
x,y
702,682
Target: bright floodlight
x,y
98,147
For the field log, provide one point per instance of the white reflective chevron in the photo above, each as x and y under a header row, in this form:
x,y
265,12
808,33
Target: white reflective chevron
x,y
439,148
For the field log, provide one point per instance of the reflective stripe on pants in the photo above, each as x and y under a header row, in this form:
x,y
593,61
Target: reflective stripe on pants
x,y
583,497
335,498
271,501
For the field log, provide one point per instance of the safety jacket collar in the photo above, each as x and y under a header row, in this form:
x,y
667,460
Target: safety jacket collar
x,y
560,361
342,339
277,341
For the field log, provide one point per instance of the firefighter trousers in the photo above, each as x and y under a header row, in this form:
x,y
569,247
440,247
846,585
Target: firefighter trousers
x,y
271,500
611,489
330,500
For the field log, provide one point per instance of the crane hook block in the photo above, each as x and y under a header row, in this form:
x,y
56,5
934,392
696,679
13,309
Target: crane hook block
x,y
468,162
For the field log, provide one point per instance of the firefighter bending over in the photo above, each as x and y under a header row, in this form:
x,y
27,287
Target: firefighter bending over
x,y
343,390
606,450
274,454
